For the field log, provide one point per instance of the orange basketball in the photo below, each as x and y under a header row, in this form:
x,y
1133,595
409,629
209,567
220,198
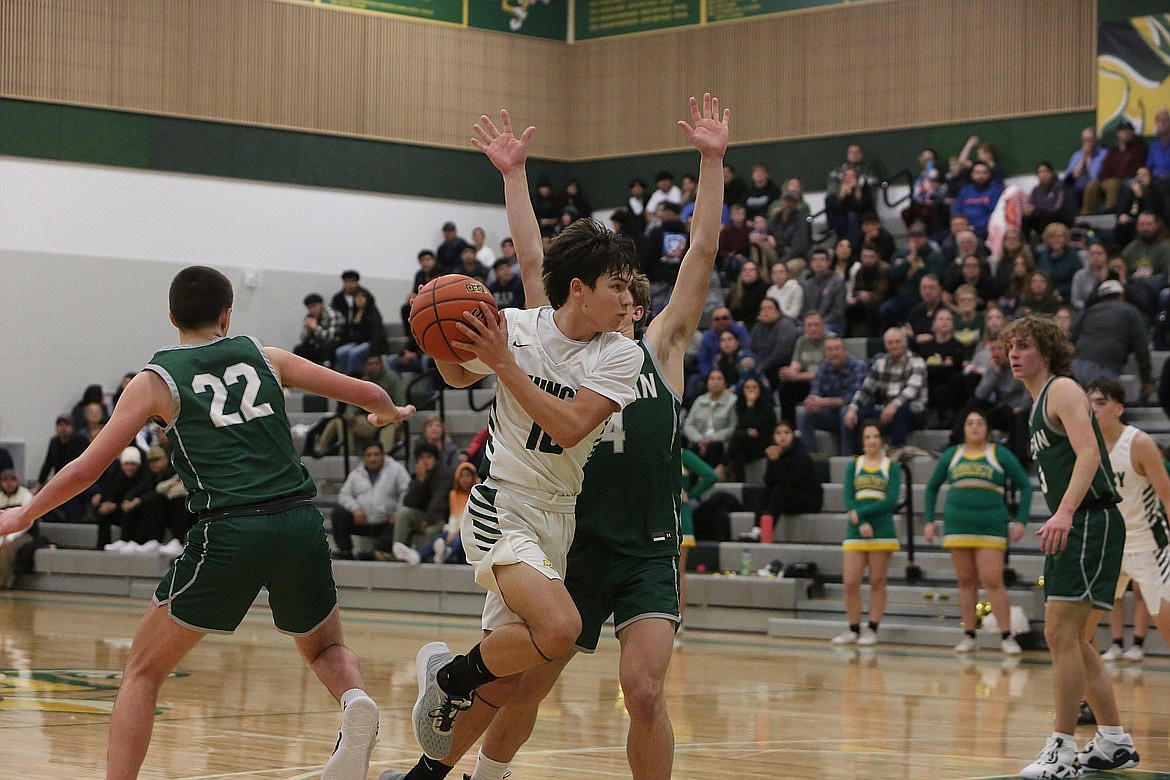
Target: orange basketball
x,y
438,306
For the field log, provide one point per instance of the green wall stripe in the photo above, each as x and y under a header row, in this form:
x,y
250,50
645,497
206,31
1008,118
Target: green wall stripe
x,y
118,138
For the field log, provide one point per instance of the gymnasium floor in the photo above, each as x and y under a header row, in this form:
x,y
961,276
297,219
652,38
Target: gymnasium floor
x,y
743,706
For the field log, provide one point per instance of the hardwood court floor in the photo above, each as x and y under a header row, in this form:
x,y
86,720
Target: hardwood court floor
x,y
743,706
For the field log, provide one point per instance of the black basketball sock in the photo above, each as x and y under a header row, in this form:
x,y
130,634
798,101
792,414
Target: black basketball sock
x,y
855,628
1138,641
464,674
428,769
873,626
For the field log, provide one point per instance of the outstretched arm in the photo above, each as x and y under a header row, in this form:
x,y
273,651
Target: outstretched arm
x,y
509,154
295,371
670,332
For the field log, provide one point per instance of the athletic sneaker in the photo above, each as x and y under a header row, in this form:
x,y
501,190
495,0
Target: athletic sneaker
x,y
404,553
393,774
115,546
173,547
1105,753
434,710
1057,760
868,637
149,546
1134,653
849,637
967,644
359,732
1010,646
1114,652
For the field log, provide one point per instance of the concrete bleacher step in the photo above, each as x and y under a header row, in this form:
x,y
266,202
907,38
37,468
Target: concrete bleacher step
x,y
75,536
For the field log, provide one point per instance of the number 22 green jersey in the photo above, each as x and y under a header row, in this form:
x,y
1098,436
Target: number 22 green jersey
x,y
229,434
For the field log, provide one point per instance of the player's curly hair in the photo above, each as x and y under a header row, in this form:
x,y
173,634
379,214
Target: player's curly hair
x,y
1051,341
586,250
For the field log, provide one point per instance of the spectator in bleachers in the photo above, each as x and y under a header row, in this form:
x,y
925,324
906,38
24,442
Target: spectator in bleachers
x,y
969,322
445,544
665,191
977,528
755,416
1139,195
343,300
836,382
791,483
153,507
854,161
795,185
1158,157
905,275
761,192
63,448
1059,259
95,419
873,232
572,196
483,253
125,380
944,358
1019,283
320,331
873,482
977,198
824,292
636,204
734,187
973,273
894,392
662,253
1003,399
124,478
843,258
1120,165
845,205
469,265
428,269
353,420
507,289
1106,334
865,291
953,181
984,153
745,294
434,433
708,350
687,185
1136,291
364,334
788,229
1085,281
1085,165
1147,257
368,499
422,511
736,362
772,338
1064,318
450,248
920,319
786,292
1040,297
734,242
807,355
927,196
967,244
1003,265
711,420
544,205
949,244
6,461
93,394
1048,202
12,493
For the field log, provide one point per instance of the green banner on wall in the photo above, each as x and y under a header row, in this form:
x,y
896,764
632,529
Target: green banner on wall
x,y
722,10
435,10
603,18
537,18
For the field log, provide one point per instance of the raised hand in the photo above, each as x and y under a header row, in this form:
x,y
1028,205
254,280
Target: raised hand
x,y
709,133
503,148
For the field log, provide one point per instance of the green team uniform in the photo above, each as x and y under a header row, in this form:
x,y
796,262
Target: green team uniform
x,y
975,512
256,528
698,477
873,493
624,556
1089,565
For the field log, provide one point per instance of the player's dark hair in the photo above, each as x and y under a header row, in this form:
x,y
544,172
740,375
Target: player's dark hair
x,y
640,290
198,295
1108,387
586,250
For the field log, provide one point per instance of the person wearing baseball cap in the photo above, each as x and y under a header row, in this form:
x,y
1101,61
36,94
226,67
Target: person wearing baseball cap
x,y
1106,334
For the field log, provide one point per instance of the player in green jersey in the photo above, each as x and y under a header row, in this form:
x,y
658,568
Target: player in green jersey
x,y
222,403
1082,542
624,557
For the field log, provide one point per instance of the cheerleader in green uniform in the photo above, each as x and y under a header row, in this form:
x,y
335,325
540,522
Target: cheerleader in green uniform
x,y
977,528
873,483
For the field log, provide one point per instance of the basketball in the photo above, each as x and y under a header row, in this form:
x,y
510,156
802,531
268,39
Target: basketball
x,y
437,308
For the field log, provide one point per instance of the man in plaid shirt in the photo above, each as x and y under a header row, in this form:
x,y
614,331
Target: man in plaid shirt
x,y
894,392
836,382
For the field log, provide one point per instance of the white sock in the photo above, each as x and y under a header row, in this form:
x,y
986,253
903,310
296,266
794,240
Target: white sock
x,y
350,695
1112,732
486,769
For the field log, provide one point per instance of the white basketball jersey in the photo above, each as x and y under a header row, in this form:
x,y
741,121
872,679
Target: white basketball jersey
x,y
1140,506
520,455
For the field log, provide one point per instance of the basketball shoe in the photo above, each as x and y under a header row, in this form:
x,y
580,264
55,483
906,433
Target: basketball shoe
x,y
1057,760
1105,753
359,732
435,710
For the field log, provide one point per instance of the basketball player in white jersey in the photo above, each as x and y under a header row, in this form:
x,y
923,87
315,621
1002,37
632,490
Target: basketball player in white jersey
x,y
1142,481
